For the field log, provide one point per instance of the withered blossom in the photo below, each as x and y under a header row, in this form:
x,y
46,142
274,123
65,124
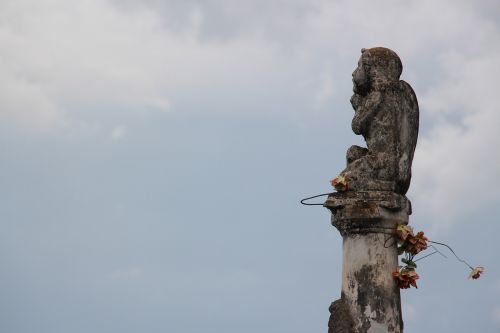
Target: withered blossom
x,y
406,278
476,273
340,183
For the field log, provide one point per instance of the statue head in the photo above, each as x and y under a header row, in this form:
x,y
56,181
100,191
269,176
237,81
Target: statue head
x,y
376,67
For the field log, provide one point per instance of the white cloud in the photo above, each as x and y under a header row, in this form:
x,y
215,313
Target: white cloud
x,y
25,102
86,62
64,57
457,162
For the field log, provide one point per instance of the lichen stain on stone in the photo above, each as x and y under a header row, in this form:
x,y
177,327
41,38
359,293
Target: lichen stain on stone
x,y
371,297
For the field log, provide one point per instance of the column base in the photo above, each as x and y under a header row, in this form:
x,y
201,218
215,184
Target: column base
x,y
367,221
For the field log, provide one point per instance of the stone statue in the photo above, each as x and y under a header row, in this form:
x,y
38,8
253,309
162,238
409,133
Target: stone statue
x,y
370,200
386,114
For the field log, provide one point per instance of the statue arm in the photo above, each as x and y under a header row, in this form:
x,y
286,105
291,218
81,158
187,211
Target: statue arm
x,y
365,112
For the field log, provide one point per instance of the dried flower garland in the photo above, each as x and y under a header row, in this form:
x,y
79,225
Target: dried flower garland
x,y
409,245
340,183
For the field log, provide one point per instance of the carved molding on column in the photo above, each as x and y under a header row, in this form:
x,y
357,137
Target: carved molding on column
x,y
367,212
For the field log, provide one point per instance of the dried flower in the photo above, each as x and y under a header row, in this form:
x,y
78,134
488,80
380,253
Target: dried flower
x,y
403,231
416,243
476,273
340,183
406,278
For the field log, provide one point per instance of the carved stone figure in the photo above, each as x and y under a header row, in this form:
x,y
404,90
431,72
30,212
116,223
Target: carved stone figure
x,y
386,114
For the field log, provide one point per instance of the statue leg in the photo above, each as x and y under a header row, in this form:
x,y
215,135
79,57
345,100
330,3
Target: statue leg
x,y
369,172
355,153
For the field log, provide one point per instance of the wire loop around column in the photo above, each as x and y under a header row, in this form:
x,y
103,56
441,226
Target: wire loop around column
x,y
314,204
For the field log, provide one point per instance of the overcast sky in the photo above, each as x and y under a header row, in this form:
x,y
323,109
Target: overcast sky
x,y
153,155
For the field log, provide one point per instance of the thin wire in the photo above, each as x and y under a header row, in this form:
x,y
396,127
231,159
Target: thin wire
x,y
441,253
430,254
458,258
313,204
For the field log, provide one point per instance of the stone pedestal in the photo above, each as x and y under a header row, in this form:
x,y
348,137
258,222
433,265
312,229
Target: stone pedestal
x,y
370,300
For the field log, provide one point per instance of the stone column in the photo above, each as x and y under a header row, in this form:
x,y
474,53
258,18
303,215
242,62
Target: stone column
x,y
370,299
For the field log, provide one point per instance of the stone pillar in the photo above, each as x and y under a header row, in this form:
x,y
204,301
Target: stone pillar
x,y
370,299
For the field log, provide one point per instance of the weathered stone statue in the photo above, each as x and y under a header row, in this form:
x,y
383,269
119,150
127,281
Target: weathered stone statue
x,y
370,201
386,114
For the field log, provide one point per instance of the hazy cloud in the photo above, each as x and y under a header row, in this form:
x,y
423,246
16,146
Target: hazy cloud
x,y
118,133
496,314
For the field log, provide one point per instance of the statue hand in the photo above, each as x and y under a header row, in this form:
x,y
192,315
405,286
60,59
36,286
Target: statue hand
x,y
356,101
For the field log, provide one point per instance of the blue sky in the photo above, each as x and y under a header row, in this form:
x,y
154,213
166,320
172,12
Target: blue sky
x,y
154,154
